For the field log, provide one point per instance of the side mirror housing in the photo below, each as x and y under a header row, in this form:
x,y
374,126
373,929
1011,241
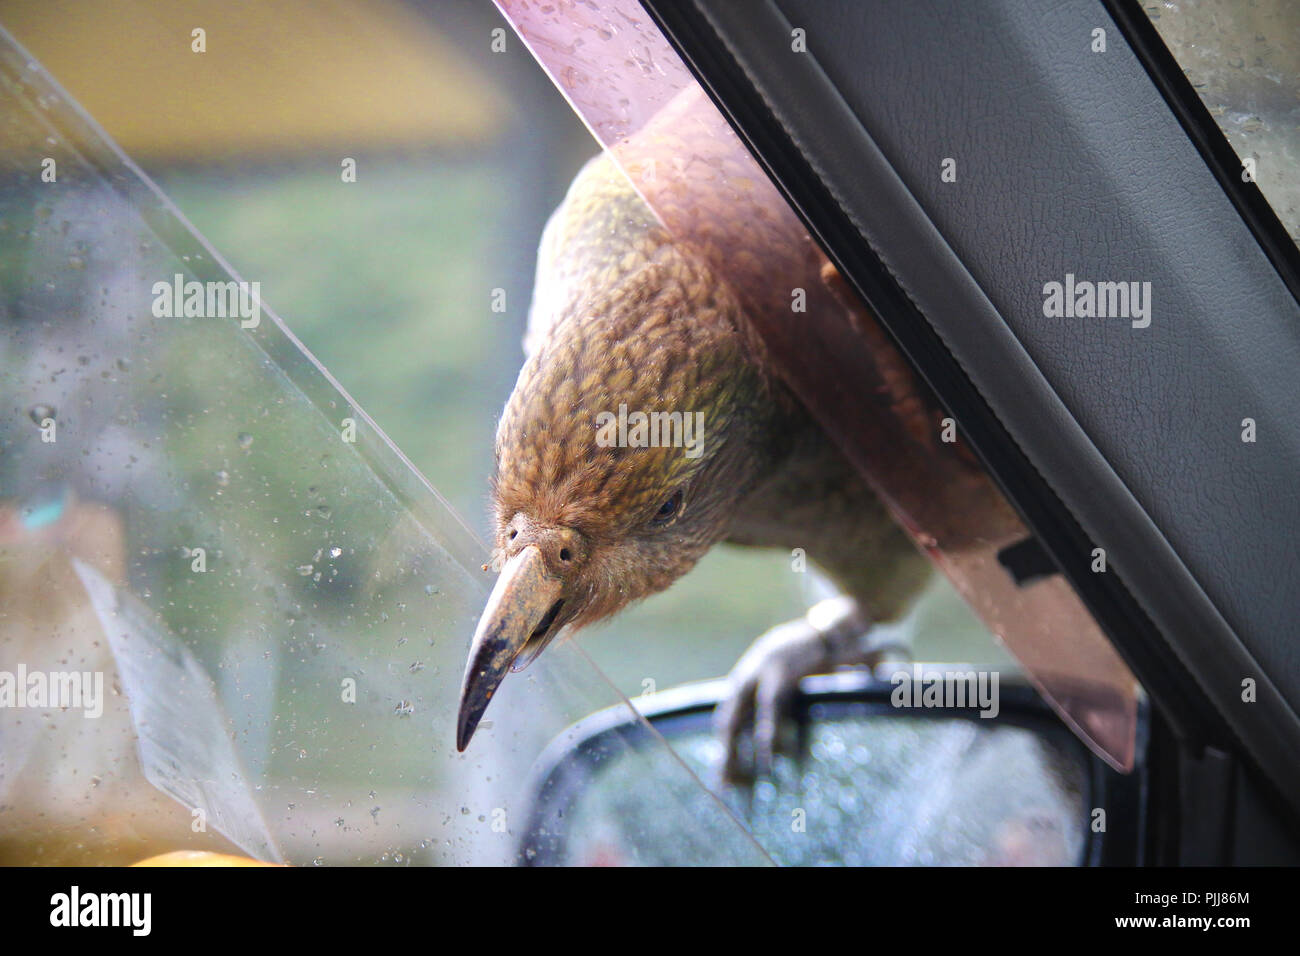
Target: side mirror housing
x,y
875,783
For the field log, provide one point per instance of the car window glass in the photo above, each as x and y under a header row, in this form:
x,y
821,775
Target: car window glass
x,y
269,606
642,104
1243,60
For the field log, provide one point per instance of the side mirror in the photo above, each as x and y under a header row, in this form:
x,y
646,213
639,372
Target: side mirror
x,y
874,784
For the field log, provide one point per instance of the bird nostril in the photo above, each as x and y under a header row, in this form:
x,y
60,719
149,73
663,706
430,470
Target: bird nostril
x,y
564,554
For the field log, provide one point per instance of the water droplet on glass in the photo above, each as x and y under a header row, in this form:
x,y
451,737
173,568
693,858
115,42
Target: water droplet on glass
x,y
223,478
335,552
39,413
306,570
245,440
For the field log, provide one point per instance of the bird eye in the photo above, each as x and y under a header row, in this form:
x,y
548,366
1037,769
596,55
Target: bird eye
x,y
668,510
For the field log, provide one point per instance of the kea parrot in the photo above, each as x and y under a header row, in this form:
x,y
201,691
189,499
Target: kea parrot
x,y
622,317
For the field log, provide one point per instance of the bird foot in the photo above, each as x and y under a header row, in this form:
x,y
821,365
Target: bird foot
x,y
755,721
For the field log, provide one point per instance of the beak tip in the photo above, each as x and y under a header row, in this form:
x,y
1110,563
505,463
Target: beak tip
x,y
525,597
474,700
464,734
465,727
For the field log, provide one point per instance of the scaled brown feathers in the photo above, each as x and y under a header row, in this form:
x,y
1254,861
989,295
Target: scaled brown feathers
x,y
622,316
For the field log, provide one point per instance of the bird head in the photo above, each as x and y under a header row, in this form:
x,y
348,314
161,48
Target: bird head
x,y
632,433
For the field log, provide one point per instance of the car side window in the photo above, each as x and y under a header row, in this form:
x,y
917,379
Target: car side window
x,y
1242,60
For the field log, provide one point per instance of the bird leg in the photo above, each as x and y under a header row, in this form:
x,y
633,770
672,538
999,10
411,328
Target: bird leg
x,y
764,683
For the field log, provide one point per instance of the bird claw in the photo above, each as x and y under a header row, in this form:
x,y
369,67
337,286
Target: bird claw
x,y
764,685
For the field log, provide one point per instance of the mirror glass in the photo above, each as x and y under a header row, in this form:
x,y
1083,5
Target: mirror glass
x,y
873,789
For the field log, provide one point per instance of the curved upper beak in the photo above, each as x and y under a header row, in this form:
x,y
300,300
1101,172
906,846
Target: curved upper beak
x,y
518,621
